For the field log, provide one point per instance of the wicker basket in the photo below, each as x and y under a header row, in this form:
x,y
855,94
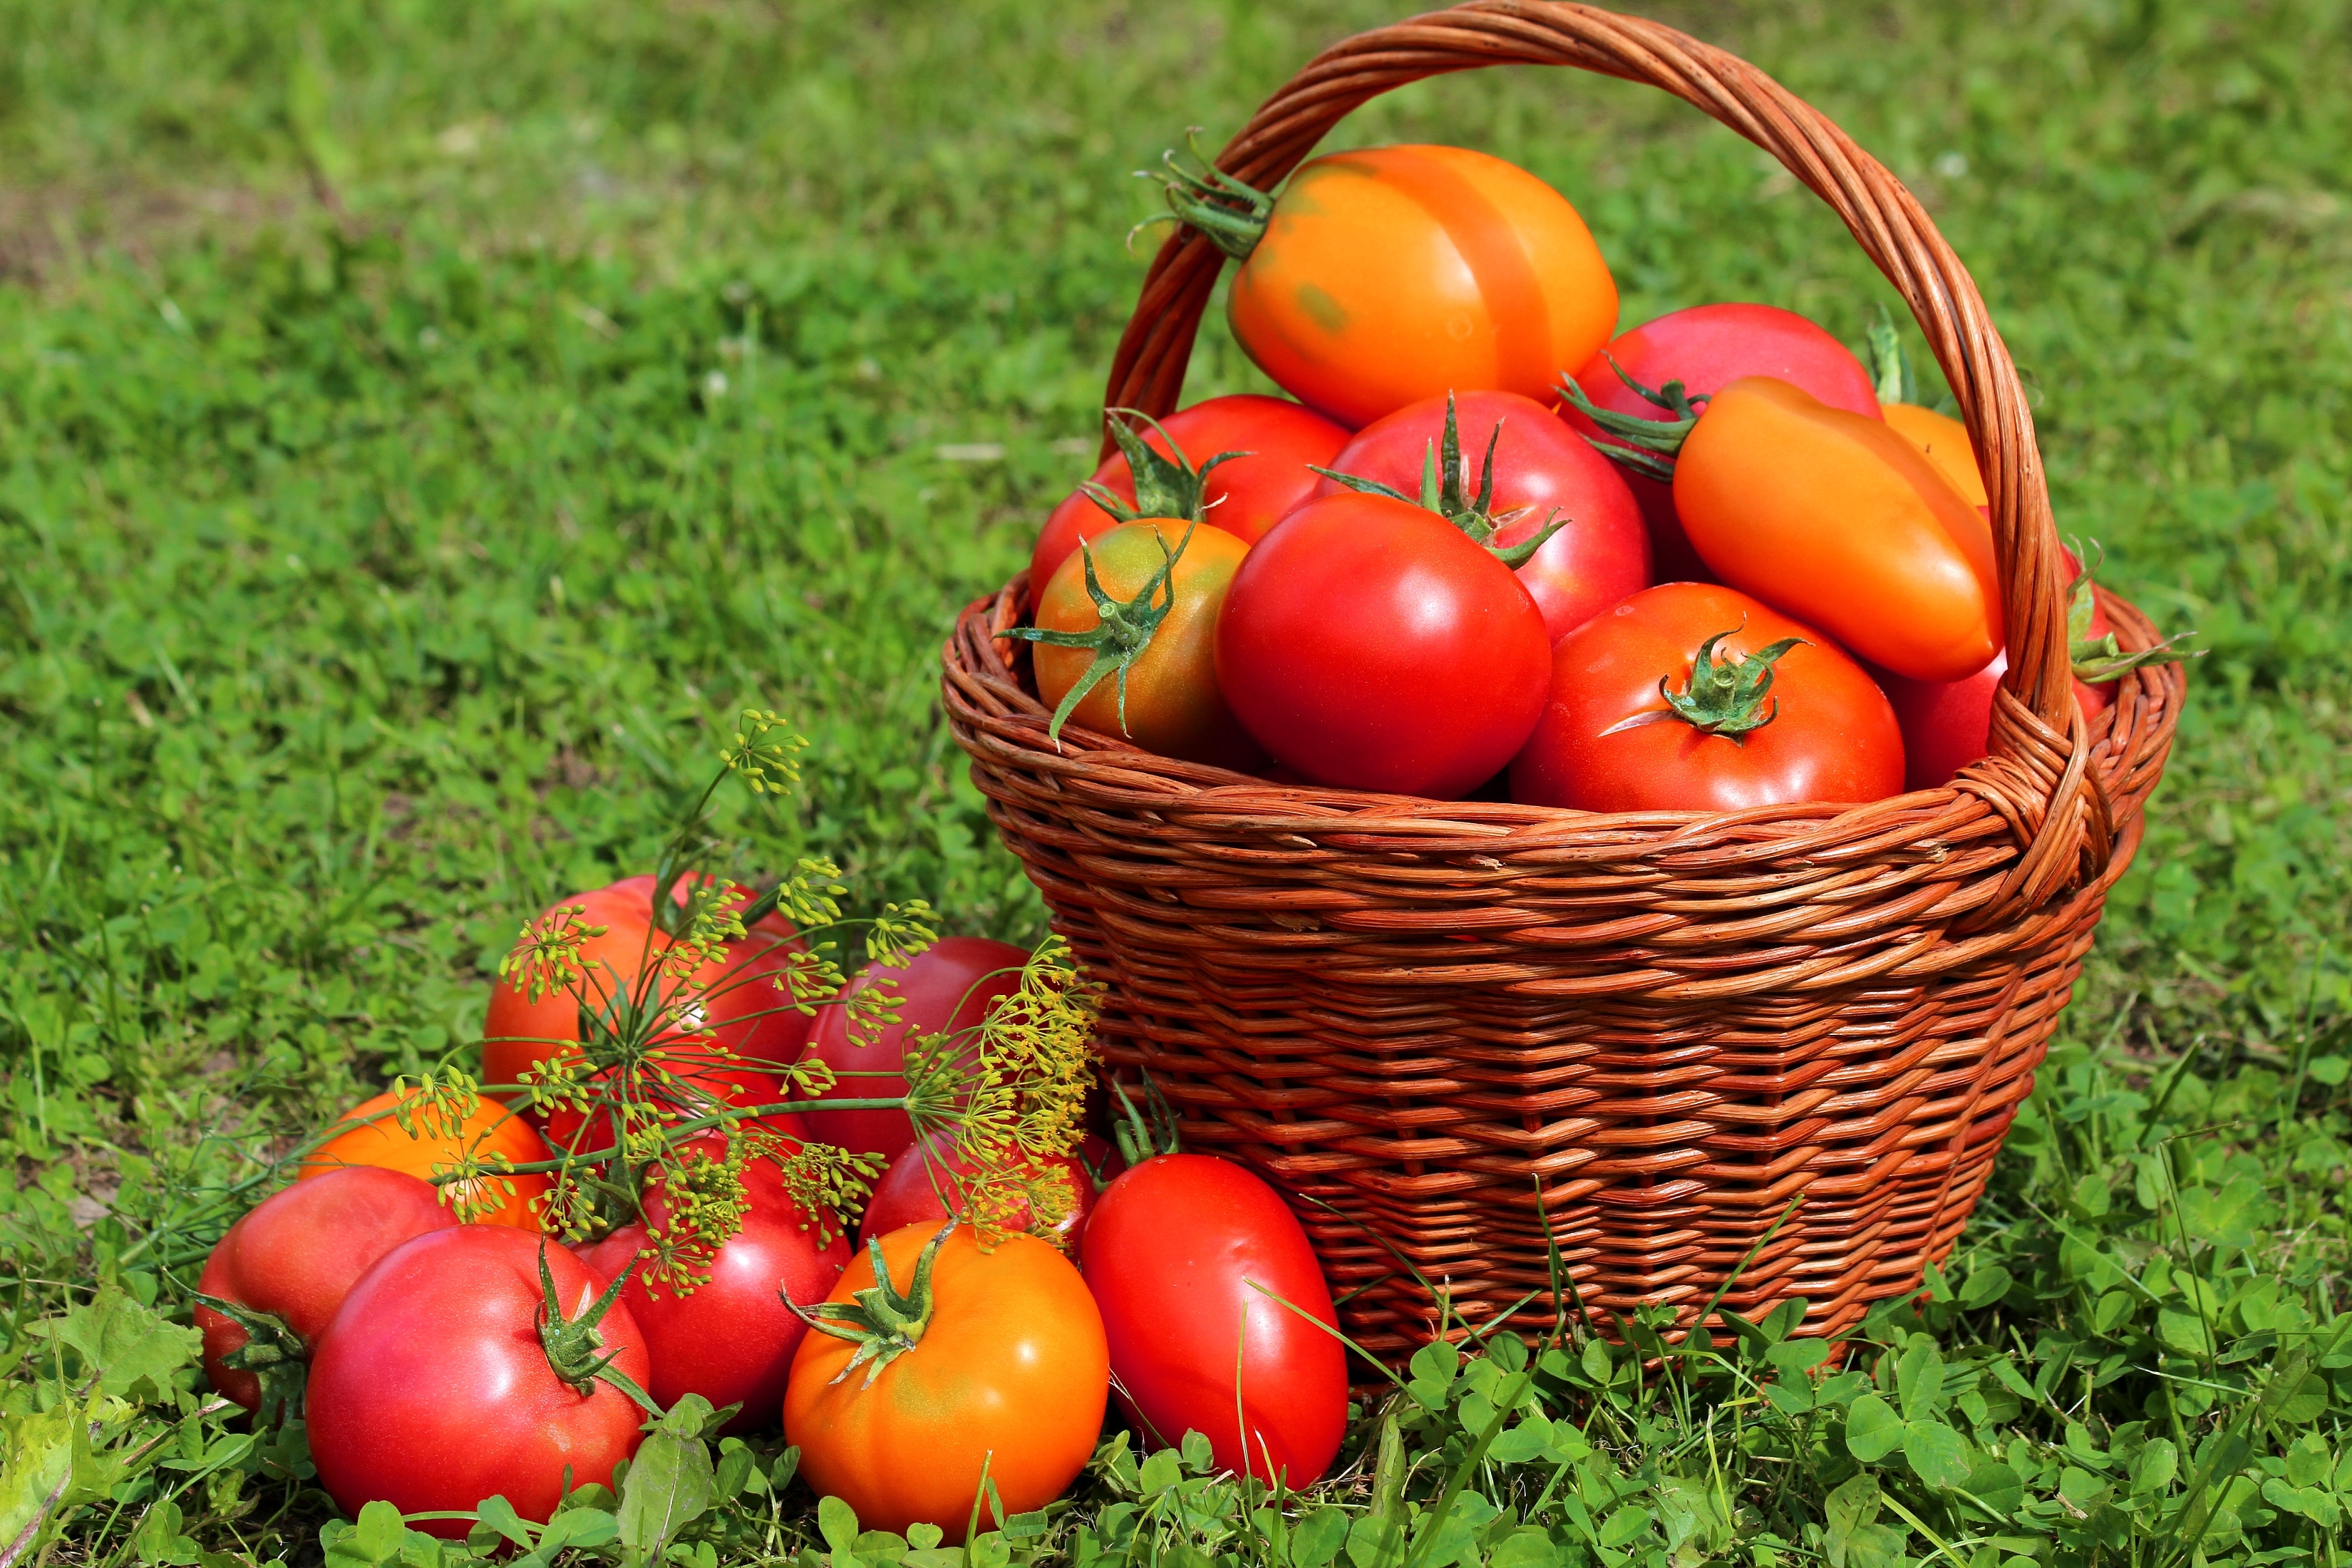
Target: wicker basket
x,y
1432,1017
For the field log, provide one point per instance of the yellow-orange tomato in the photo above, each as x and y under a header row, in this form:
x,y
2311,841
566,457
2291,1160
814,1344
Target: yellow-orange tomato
x,y
1011,1372
492,1129
1395,274
1839,520
1173,705
1945,442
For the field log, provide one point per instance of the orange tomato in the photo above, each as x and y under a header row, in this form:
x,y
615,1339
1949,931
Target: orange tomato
x,y
493,1129
519,1033
1011,1372
1839,520
1394,274
1173,705
1945,442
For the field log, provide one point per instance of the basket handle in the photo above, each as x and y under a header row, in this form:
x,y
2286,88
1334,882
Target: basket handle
x,y
1887,220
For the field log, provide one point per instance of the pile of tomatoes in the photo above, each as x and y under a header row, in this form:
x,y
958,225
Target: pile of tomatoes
x,y
1497,548
439,1364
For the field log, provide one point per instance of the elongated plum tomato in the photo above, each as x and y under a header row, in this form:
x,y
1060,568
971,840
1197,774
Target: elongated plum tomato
x,y
1174,707
1244,497
925,1186
1608,740
1369,644
1945,441
1390,275
730,1337
1839,521
369,1134
296,1256
431,1389
946,989
1542,471
1192,1259
1707,348
1009,1372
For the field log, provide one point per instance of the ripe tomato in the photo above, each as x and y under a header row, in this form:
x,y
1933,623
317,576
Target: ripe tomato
x,y
1244,497
295,1257
731,1338
1369,644
1389,275
1543,471
1009,1372
1839,521
946,989
433,1389
1172,705
1945,442
924,1186
492,1129
1186,1255
1707,348
1815,727
742,1008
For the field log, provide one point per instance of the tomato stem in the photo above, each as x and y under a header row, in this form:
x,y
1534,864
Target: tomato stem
x,y
572,1345
2097,660
1164,486
883,1322
1648,447
1144,1134
1446,491
1727,699
1123,629
1232,213
272,1351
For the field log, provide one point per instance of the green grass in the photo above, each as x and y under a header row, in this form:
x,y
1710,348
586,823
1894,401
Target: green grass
x,y
423,426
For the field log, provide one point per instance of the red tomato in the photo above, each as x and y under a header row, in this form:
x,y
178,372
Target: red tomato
x,y
729,1339
924,1181
1543,471
1369,644
1245,497
432,1390
1707,348
1947,725
1388,275
742,1008
945,989
1008,1371
1825,733
297,1254
1187,1255
1841,521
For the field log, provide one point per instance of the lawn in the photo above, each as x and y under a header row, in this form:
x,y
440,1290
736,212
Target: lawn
x,y
424,427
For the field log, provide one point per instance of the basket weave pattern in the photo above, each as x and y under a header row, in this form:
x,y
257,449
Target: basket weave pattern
x,y
1422,1020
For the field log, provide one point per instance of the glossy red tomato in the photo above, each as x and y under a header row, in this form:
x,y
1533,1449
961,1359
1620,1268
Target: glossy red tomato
x,y
924,1186
1707,348
1369,644
431,1389
1191,1260
731,1338
1245,497
1608,740
1543,471
1947,725
945,989
296,1256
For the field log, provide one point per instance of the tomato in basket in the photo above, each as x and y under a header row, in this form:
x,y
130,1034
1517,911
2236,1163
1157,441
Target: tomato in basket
x,y
1945,441
1525,471
1370,644
1702,350
1389,275
1276,441
1694,696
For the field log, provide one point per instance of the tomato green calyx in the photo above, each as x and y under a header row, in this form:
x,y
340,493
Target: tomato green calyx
x,y
1124,629
883,1322
575,1351
1648,447
273,1352
1164,486
1892,377
1146,1132
2100,659
1232,215
1730,697
1446,491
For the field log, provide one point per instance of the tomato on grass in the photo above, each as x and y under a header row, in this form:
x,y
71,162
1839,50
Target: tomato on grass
x,y
926,1184
935,1362
1691,696
369,1134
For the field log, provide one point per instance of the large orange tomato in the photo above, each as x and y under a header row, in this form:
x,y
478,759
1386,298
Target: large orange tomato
x,y
1172,704
492,1129
1390,274
988,1360
1839,520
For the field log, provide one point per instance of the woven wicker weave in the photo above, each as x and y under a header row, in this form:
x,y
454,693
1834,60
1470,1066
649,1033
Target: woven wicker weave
x,y
1424,1015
